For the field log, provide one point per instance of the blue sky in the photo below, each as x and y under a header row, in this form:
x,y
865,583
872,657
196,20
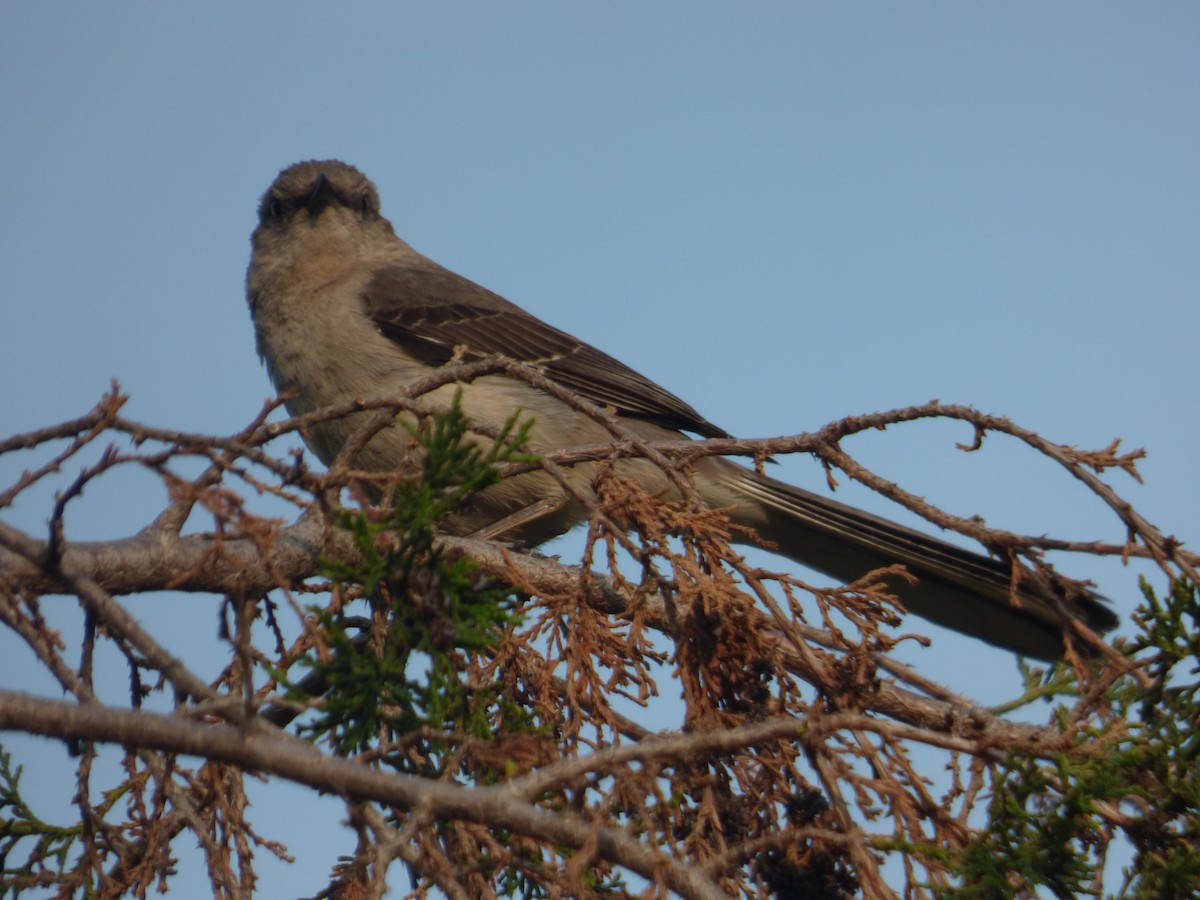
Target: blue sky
x,y
784,212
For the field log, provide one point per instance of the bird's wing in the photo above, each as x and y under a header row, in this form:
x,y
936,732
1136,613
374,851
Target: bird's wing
x,y
429,311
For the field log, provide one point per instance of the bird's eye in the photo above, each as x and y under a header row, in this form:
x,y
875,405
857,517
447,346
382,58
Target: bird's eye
x,y
364,206
275,208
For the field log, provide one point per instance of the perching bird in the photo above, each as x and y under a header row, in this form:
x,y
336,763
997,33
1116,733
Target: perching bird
x,y
344,309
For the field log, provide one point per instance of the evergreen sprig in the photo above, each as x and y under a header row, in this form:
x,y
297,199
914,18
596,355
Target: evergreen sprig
x,y
1047,822
47,848
437,611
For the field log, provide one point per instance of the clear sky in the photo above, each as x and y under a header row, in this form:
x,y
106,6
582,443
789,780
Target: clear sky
x,y
784,212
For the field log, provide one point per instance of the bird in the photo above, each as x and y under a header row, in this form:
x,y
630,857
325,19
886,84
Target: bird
x,y
343,308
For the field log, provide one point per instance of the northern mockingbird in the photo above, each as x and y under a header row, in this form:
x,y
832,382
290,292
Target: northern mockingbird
x,y
343,308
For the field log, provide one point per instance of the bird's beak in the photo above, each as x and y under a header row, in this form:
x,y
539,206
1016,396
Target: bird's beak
x,y
320,196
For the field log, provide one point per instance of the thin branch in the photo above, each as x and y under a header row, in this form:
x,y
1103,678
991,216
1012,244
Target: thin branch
x,y
304,765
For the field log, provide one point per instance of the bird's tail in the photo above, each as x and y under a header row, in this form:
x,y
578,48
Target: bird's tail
x,y
957,588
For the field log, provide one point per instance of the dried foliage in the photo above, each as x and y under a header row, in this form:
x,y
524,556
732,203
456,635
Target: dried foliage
x,y
481,709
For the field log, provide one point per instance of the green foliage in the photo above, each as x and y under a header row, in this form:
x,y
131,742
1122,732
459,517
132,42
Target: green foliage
x,y
1164,747
430,613
49,846
1135,775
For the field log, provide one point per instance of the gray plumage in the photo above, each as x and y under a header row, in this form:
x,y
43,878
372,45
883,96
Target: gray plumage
x,y
344,308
